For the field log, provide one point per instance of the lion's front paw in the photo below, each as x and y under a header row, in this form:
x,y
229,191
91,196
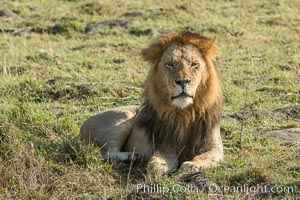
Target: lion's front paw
x,y
157,166
190,166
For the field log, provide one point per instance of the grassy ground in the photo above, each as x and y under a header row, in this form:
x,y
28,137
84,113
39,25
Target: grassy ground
x,y
55,75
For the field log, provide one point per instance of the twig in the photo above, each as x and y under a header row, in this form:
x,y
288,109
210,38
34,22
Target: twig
x,y
244,106
130,167
241,133
153,143
177,157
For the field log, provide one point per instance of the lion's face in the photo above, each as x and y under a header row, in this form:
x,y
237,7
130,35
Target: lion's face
x,y
181,70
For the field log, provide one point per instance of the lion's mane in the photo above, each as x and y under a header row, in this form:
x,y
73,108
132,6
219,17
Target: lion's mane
x,y
185,129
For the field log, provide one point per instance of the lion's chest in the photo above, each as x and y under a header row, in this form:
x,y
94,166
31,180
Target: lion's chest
x,y
186,139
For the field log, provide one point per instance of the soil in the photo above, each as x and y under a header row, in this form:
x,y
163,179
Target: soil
x,y
288,137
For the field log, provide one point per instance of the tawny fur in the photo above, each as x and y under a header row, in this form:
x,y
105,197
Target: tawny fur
x,y
205,110
164,133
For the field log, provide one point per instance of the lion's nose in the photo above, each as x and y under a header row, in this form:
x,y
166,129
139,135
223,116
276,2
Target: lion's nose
x,y
182,83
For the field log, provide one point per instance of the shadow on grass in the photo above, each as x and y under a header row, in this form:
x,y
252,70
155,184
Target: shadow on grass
x,y
72,151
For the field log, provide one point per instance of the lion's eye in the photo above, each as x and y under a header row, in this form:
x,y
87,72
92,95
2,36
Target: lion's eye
x,y
170,65
194,65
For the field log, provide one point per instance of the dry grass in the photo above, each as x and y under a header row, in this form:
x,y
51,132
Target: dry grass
x,y
54,76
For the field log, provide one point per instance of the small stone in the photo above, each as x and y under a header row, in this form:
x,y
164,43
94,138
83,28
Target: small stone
x,y
145,32
8,14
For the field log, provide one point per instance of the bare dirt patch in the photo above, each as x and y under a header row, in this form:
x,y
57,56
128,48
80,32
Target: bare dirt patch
x,y
276,114
109,23
288,137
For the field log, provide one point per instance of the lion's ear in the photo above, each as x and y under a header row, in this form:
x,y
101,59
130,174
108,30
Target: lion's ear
x,y
209,48
152,53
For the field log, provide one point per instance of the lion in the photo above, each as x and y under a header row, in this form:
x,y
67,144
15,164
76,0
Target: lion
x,y
178,123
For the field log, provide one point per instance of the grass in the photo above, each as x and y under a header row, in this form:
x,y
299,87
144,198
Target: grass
x,y
54,76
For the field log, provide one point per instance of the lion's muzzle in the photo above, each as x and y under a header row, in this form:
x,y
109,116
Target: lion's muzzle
x,y
182,94
183,99
182,83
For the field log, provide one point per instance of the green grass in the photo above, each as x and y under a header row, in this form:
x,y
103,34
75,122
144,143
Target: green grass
x,y
51,83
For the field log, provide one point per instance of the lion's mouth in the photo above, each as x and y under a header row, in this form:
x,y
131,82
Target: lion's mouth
x,y
182,94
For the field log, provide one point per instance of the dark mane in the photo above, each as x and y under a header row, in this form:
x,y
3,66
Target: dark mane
x,y
161,132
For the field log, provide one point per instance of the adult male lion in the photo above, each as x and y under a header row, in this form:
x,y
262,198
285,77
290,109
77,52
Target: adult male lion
x,y
179,121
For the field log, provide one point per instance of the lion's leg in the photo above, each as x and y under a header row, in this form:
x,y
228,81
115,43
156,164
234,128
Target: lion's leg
x,y
163,161
212,156
138,142
204,161
110,128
